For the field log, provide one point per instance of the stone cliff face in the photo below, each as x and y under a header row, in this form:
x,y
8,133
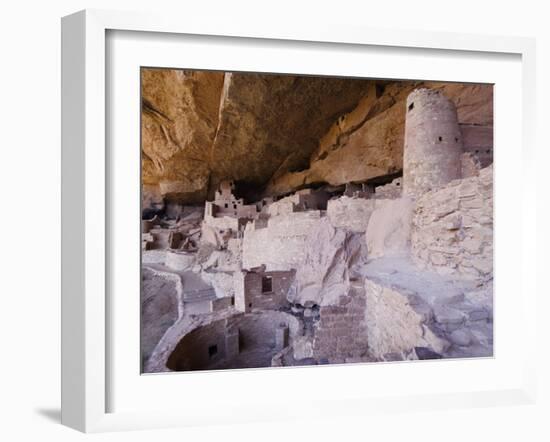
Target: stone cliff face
x,y
368,142
199,128
271,124
278,133
179,121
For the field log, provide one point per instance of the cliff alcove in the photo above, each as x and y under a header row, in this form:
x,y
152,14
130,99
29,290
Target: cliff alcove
x,y
299,220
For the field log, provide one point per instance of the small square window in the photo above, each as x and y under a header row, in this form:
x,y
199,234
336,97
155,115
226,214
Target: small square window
x,y
267,284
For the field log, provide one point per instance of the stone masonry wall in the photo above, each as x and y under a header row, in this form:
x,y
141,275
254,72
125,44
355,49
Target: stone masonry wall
x,y
392,190
280,245
433,142
350,213
249,294
424,315
221,223
478,140
209,345
452,229
470,165
302,200
341,333
217,231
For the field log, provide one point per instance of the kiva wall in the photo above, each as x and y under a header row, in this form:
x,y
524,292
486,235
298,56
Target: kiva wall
x,y
232,338
192,352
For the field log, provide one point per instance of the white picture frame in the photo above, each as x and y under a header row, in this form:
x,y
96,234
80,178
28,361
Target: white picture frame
x,y
86,315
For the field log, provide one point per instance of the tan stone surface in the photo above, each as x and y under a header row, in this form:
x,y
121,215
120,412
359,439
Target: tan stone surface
x,y
394,325
350,213
393,190
470,165
199,128
453,227
179,260
411,311
389,229
179,120
281,244
372,145
324,274
272,123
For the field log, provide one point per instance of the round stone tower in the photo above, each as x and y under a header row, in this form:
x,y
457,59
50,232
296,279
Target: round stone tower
x,y
433,142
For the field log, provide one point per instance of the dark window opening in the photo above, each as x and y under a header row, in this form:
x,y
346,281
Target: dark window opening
x,y
250,305
397,184
382,179
456,139
226,206
232,300
212,350
477,151
234,206
411,106
440,139
267,284
488,151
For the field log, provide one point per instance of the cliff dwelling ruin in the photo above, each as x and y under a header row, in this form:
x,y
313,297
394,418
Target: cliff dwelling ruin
x,y
290,220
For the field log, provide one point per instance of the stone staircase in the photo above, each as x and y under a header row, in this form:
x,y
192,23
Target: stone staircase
x,y
199,295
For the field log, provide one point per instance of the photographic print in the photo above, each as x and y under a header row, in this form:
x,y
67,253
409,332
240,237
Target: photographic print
x,y
293,220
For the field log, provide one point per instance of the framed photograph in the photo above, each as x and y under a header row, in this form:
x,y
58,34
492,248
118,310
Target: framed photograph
x,y
249,213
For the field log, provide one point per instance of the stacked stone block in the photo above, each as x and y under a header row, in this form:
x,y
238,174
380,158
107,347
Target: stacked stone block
x,y
452,230
433,142
341,332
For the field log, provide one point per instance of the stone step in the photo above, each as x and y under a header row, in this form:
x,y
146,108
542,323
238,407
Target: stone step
x,y
199,295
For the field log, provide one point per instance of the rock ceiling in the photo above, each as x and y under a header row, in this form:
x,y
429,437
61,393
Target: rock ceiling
x,y
276,133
